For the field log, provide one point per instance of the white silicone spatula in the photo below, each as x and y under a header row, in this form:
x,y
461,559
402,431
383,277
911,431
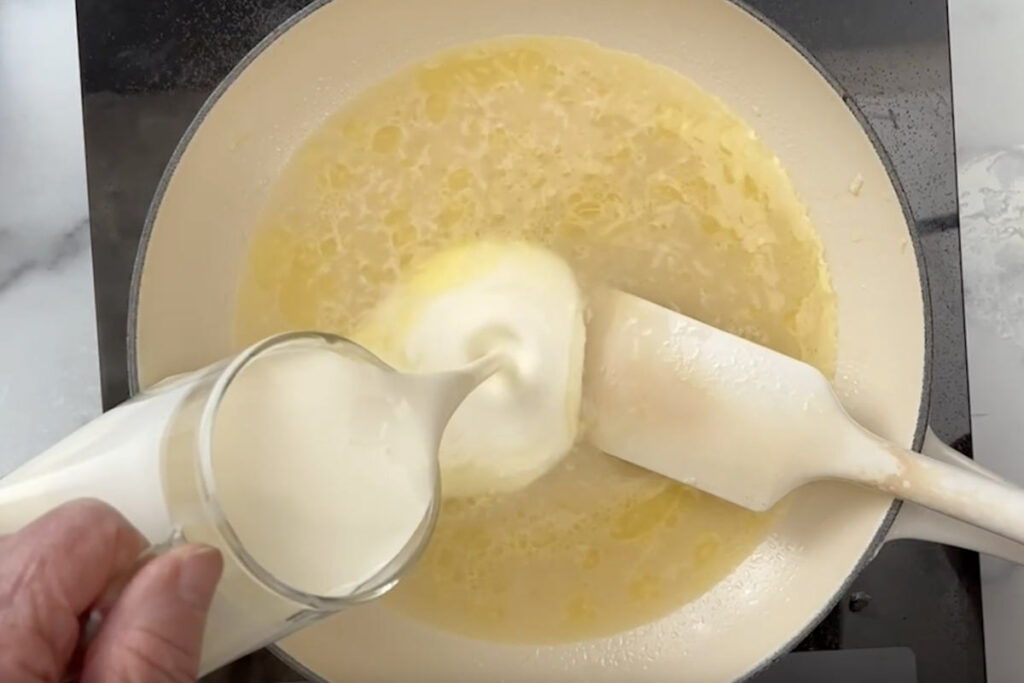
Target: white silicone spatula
x,y
749,425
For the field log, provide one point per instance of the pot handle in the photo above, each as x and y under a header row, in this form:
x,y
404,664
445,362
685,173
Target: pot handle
x,y
920,523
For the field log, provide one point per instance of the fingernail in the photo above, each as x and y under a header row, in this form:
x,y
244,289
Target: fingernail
x,y
201,567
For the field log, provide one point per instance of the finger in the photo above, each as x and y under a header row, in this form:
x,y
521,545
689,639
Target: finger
x,y
155,629
50,572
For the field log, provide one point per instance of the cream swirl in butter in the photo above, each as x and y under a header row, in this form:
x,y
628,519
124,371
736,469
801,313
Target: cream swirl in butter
x,y
517,300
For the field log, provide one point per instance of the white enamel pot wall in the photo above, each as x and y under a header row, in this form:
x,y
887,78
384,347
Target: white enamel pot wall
x,y
207,205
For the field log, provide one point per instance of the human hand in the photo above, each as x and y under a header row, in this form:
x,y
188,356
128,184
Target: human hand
x,y
77,557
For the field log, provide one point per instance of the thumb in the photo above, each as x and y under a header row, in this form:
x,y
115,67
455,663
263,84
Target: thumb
x,y
155,629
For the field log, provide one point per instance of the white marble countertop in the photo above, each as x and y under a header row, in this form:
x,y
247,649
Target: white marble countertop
x,y
49,375
988,99
49,369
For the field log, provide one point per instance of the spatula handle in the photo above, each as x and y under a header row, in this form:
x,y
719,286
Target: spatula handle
x,y
990,504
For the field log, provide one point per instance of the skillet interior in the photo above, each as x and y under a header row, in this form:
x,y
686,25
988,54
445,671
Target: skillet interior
x,y
214,190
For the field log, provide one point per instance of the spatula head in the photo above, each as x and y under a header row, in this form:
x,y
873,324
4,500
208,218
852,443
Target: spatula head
x,y
705,407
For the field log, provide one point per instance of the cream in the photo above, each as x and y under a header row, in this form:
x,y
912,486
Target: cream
x,y
513,299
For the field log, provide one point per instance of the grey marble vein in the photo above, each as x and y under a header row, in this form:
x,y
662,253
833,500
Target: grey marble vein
x,y
18,259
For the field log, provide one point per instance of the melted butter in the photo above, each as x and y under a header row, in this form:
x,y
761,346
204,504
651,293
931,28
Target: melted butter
x,y
636,177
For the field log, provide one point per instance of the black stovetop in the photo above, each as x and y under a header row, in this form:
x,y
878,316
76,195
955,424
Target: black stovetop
x,y
147,67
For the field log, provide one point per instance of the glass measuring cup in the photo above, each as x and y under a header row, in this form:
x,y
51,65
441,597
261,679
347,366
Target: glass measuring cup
x,y
158,457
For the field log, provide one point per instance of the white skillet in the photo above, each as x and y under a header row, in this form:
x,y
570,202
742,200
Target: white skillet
x,y
212,192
